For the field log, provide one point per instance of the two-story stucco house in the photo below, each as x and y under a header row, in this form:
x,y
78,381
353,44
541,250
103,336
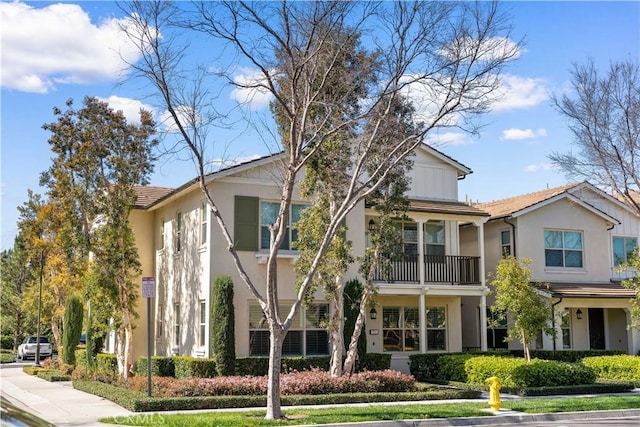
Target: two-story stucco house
x,y
576,236
419,303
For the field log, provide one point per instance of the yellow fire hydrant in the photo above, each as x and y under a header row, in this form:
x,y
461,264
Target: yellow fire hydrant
x,y
494,393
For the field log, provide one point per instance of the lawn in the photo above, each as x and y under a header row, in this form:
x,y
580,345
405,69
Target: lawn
x,y
375,412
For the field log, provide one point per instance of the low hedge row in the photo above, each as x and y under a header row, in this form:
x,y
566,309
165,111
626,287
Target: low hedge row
x,y
140,402
621,367
621,387
187,367
53,376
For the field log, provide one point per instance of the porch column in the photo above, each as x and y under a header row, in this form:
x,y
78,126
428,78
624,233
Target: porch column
x,y
633,335
483,298
421,252
422,307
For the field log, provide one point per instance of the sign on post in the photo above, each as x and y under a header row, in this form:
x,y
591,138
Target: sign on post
x,y
148,287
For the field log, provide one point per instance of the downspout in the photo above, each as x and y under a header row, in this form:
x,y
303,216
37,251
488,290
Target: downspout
x,y
513,232
553,320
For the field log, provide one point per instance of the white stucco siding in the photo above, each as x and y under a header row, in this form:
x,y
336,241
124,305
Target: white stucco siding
x,y
566,216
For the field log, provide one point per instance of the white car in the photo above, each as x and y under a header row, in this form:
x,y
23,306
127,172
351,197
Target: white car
x,y
27,350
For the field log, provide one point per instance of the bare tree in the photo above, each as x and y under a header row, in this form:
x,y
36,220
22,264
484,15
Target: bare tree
x,y
604,116
450,53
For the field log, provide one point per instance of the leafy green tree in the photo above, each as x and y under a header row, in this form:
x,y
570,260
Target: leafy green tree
x,y
15,275
222,321
517,301
99,159
73,318
633,283
451,51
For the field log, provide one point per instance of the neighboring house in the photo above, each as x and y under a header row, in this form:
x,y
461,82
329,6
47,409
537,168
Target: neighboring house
x,y
419,303
576,236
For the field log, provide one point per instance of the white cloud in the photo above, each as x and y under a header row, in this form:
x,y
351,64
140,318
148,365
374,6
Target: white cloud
x,y
486,50
246,92
448,138
58,44
514,134
520,92
539,167
129,107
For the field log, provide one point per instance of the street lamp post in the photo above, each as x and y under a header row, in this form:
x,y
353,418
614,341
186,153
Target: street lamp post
x,y
39,310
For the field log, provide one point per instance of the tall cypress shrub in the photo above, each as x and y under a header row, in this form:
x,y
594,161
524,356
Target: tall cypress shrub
x,y
352,297
222,326
72,329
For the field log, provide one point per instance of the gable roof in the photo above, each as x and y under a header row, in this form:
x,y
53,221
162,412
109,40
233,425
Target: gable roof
x,y
147,195
519,205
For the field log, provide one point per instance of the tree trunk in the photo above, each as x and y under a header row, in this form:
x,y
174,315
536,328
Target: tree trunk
x,y
525,346
336,337
352,351
274,409
57,335
127,345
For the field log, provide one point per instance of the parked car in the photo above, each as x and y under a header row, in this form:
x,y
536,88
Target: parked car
x,y
27,350
13,416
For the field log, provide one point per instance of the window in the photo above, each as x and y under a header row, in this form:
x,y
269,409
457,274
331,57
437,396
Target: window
x,y
202,327
178,232
162,233
269,215
204,215
176,325
436,328
307,337
401,328
565,325
505,243
496,330
623,248
159,321
563,249
434,241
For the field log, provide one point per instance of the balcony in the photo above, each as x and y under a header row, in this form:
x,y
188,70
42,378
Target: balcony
x,y
449,269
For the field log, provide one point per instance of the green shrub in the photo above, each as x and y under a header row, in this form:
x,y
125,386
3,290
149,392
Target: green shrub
x,y
258,366
161,366
222,329
53,376
620,367
424,367
73,317
479,368
7,341
549,373
570,389
190,367
451,367
253,365
106,362
375,362
571,356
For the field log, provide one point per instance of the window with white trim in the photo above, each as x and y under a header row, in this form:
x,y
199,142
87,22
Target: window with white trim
x,y
434,237
307,336
204,220
565,325
623,248
202,325
505,243
401,328
269,215
563,249
436,328
160,321
176,325
178,232
162,233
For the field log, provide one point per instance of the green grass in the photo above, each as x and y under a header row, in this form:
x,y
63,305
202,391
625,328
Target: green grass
x,y
378,412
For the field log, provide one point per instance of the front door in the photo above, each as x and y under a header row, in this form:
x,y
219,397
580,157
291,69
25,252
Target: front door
x,y
596,329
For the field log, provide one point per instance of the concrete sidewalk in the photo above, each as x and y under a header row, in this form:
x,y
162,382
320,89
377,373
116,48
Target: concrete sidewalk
x,y
57,402
62,405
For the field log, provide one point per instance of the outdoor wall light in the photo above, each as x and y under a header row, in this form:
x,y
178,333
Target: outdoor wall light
x,y
373,314
579,314
372,224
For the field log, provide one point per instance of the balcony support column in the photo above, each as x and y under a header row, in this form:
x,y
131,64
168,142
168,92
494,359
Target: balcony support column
x,y
483,298
422,307
421,259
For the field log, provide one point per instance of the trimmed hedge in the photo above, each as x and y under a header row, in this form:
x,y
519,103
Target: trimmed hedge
x,y
451,367
53,376
375,362
106,362
551,373
161,366
139,402
480,368
189,367
620,367
570,356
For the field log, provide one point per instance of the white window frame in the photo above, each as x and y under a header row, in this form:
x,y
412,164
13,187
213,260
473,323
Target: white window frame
x,y
564,249
624,239
509,245
565,328
178,232
160,321
204,222
437,243
408,331
176,324
202,325
442,328
162,233
288,242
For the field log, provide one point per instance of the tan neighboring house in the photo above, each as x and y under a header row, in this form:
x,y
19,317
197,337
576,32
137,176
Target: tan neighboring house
x,y
419,304
576,236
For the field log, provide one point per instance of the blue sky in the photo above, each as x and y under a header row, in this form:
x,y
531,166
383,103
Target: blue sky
x,y
52,52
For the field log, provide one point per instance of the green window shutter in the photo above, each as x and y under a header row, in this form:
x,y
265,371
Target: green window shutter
x,y
246,223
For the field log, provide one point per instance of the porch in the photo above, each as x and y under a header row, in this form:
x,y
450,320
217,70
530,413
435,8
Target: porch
x,y
444,269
